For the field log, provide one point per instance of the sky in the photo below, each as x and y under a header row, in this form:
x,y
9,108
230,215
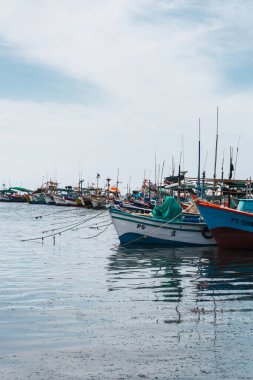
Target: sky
x,y
98,86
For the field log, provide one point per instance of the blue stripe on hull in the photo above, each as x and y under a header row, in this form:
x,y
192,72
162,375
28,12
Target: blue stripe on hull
x,y
131,238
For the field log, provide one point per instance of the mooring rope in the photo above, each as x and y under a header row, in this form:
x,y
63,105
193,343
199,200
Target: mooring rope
x,y
66,229
100,233
72,219
93,225
68,225
55,213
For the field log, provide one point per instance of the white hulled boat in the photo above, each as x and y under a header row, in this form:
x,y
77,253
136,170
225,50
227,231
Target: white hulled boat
x,y
180,229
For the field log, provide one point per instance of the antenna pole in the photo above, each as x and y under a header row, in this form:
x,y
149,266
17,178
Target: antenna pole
x,y
117,183
237,149
216,149
198,184
155,170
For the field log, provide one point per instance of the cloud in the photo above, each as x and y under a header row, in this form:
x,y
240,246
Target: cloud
x,y
23,80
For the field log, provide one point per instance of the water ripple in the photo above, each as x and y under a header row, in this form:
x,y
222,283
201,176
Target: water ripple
x,y
90,306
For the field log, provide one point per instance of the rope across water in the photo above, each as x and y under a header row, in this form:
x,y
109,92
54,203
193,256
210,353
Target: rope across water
x,y
70,227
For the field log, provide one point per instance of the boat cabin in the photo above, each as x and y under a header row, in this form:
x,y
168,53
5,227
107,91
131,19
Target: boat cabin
x,y
245,205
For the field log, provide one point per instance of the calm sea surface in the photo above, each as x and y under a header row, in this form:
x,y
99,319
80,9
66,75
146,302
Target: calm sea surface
x,y
86,308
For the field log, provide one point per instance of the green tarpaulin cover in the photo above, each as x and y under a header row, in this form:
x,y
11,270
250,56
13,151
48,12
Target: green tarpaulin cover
x,y
20,189
170,209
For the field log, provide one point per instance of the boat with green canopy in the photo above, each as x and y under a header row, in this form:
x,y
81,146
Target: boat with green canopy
x,y
168,225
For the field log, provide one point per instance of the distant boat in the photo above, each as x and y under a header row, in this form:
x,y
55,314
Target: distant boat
x,y
59,200
85,200
15,194
36,199
232,229
49,199
178,231
100,202
4,198
70,201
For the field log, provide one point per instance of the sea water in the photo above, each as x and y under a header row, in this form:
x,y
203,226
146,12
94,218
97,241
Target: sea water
x,y
82,307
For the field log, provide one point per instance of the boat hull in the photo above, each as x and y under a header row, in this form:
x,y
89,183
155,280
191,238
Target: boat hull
x,y
36,200
100,203
70,201
136,229
59,201
232,229
49,200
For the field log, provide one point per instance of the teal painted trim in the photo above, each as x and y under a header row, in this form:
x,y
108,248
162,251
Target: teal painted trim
x,y
115,211
158,226
130,238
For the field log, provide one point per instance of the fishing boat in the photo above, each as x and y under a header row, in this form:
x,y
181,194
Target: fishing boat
x,y
14,194
126,205
231,228
59,200
38,199
167,226
100,202
4,198
70,201
49,199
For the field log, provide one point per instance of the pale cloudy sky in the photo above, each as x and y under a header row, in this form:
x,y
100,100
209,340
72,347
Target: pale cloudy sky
x,y
93,86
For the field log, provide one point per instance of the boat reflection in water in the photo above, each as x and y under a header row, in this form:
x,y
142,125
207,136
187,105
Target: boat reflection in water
x,y
199,280
191,308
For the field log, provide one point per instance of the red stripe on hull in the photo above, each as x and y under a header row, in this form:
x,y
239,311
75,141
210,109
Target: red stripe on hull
x,y
229,238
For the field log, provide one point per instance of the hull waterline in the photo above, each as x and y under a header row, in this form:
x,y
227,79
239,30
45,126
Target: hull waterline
x,y
232,229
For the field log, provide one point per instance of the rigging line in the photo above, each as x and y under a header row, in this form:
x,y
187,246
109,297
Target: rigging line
x,y
100,233
157,228
60,232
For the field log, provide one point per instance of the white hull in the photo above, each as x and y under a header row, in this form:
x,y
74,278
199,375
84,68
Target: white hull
x,y
145,230
49,200
70,202
100,203
81,201
59,201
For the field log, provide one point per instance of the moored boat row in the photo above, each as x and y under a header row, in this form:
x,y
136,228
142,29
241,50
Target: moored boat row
x,y
159,216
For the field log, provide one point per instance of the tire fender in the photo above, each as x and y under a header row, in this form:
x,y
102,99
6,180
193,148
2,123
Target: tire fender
x,y
206,233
